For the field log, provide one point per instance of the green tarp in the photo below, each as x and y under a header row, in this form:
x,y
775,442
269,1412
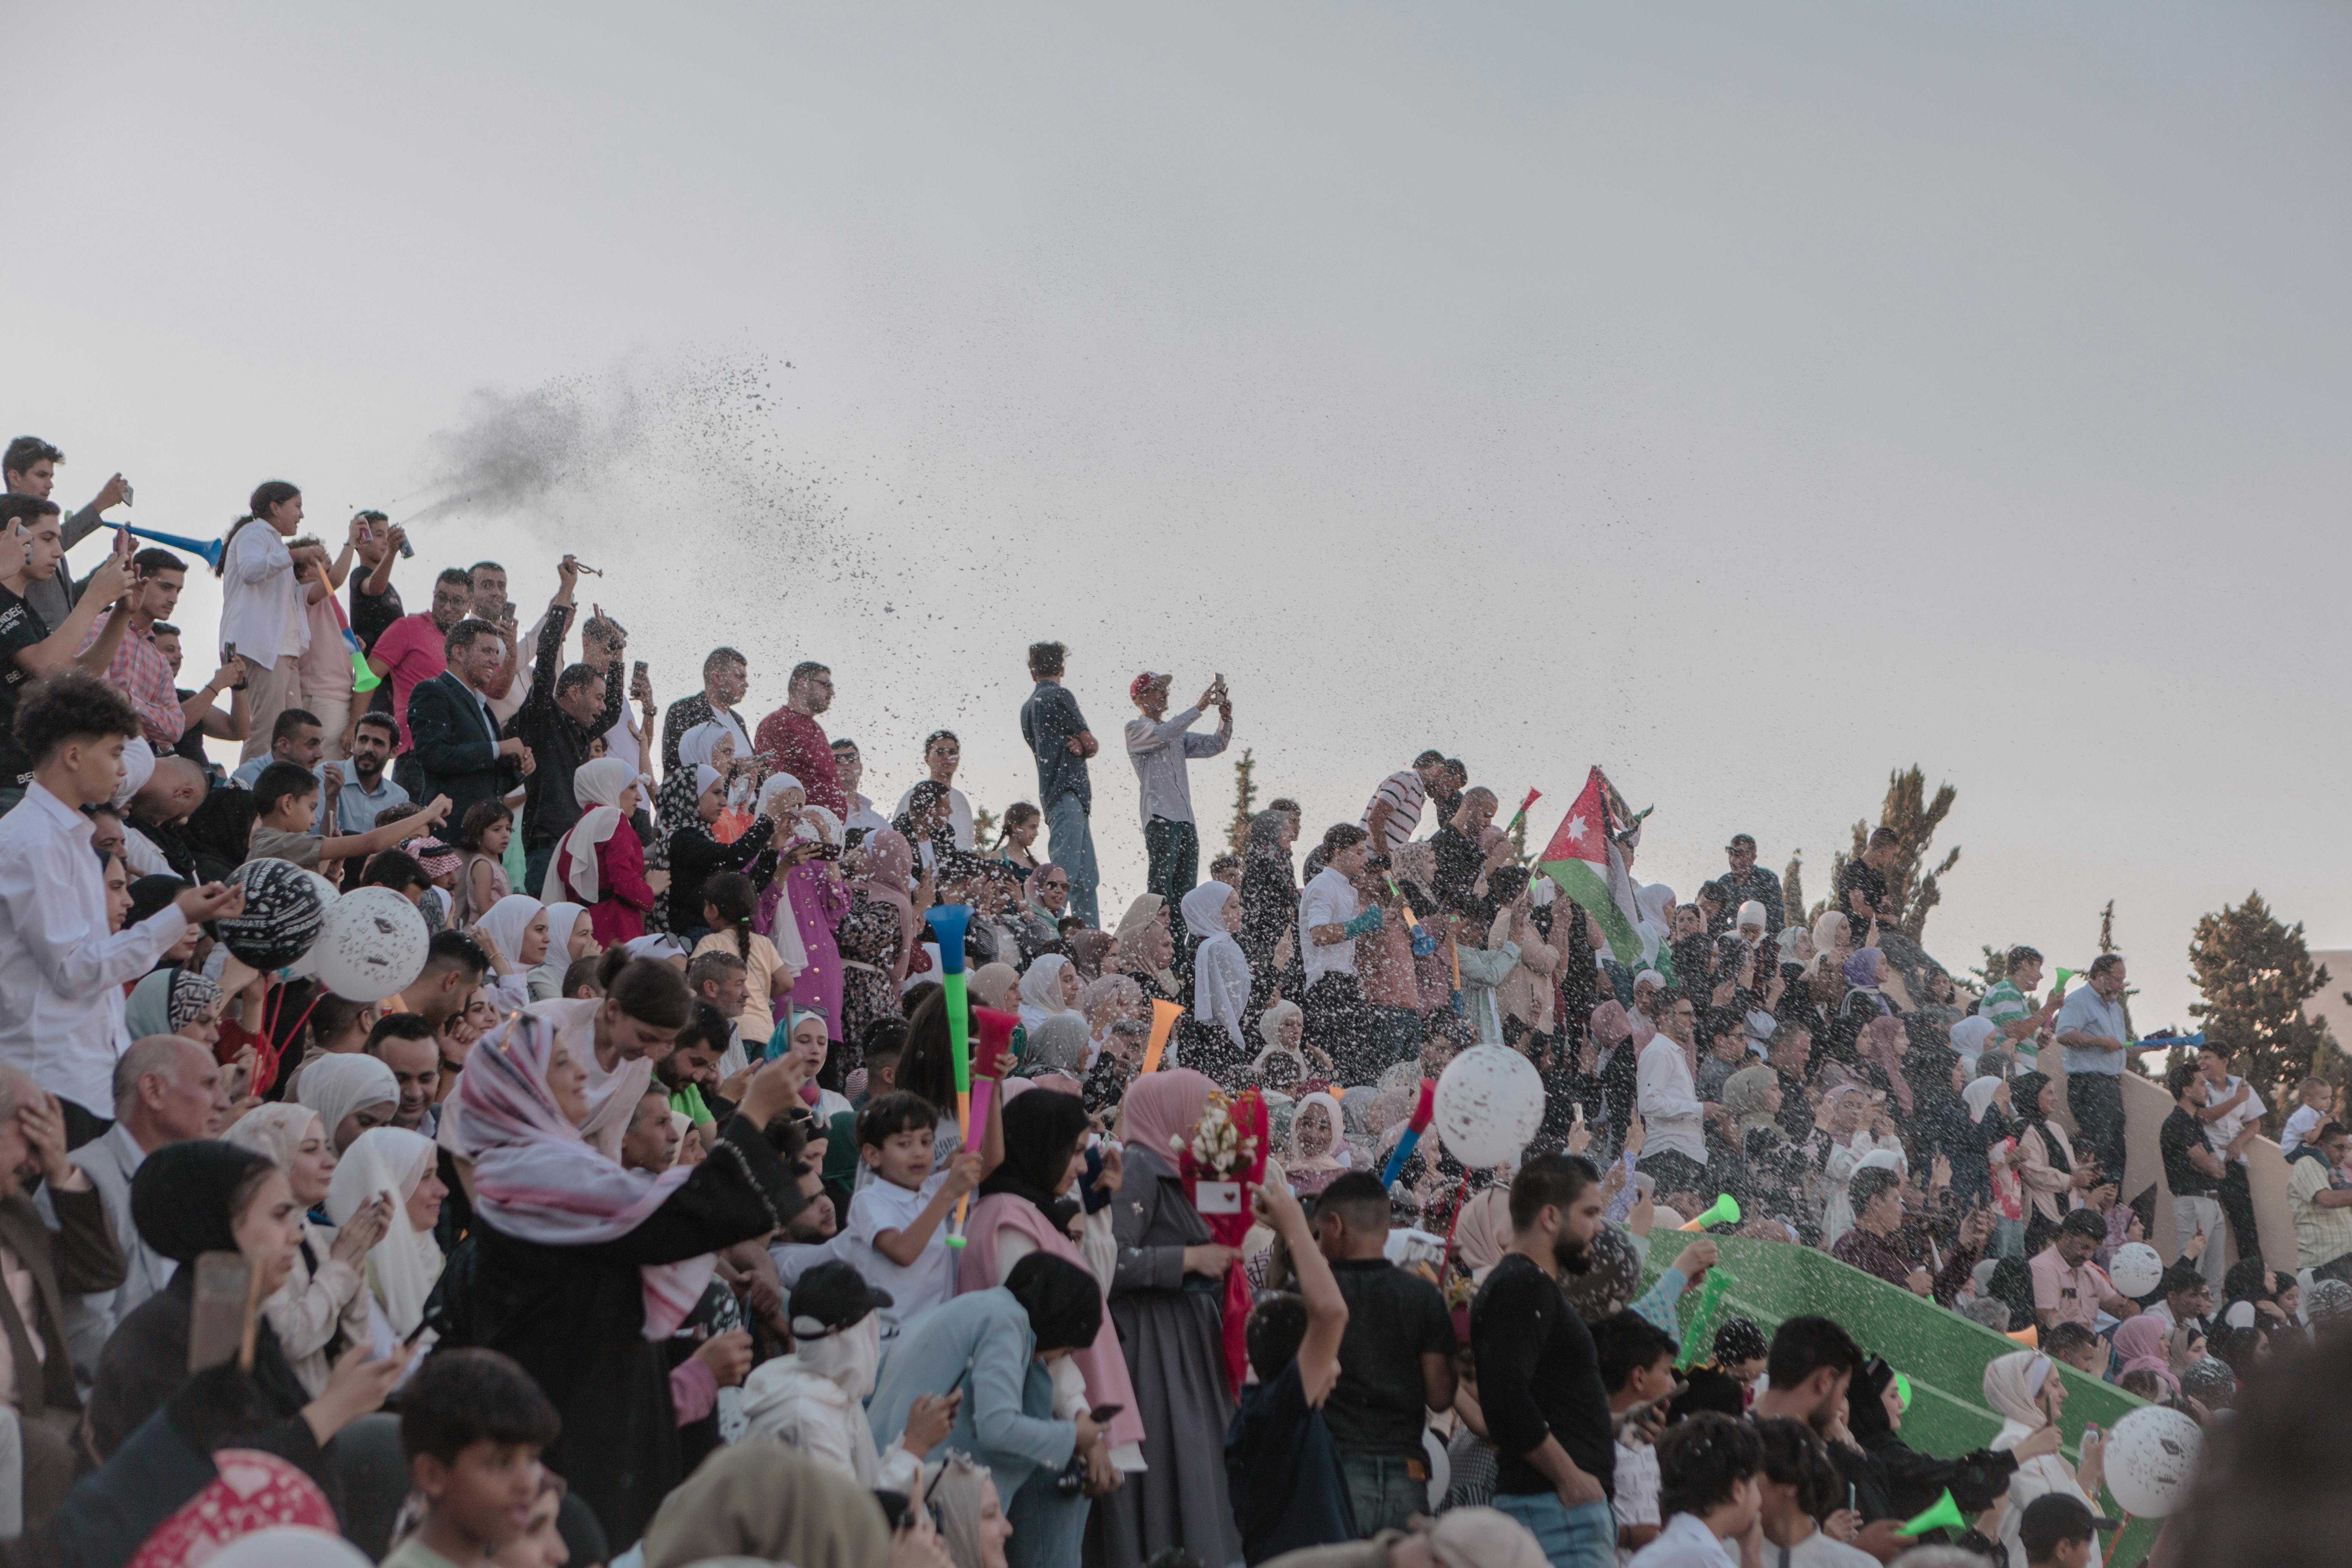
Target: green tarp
x,y
1943,1353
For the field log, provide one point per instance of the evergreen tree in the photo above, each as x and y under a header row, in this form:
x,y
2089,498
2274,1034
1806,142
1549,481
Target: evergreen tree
x,y
2253,975
1792,892
1245,801
1913,819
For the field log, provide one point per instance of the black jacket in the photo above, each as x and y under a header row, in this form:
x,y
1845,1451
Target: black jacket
x,y
558,741
455,743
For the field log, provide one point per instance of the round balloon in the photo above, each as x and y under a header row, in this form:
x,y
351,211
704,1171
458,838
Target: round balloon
x,y
2135,1269
2151,1458
283,915
1489,1103
373,945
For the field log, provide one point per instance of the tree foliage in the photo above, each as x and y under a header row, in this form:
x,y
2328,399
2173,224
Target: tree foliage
x,y
1792,892
2254,975
1913,818
1245,802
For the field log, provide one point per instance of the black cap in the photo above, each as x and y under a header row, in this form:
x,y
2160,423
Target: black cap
x,y
830,1298
2053,1519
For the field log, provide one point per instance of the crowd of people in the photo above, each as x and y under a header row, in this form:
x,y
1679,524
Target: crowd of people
x,y
653,1210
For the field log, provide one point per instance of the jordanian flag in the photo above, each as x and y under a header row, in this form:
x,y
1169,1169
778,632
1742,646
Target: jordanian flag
x,y
1584,860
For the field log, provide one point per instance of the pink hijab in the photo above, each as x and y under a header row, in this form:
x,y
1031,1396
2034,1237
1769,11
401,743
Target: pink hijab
x,y
2140,1342
1162,1107
889,862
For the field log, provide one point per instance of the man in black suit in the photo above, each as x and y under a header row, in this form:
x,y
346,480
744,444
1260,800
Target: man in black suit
x,y
451,728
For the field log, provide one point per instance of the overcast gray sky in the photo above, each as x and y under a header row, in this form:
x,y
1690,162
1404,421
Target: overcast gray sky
x,y
1749,399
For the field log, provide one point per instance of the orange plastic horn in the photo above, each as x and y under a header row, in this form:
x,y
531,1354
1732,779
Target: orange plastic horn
x,y
1163,1020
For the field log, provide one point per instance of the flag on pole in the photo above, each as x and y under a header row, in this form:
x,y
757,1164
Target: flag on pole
x,y
1584,860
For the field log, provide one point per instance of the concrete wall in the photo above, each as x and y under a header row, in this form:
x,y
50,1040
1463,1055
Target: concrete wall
x,y
2145,1105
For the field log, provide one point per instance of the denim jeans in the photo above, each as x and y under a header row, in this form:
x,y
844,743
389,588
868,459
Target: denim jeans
x,y
1071,842
1383,1492
1583,1537
534,872
1047,1528
1175,851
2008,1238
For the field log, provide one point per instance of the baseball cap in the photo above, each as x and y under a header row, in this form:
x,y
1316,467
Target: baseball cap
x,y
1484,1538
1135,687
2054,1518
830,1298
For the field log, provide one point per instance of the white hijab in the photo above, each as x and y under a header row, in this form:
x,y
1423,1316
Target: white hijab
x,y
402,1267
339,1083
597,785
511,917
1221,975
1040,990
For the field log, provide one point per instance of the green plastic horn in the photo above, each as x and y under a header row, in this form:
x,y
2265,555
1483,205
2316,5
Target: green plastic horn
x,y
1945,1515
1725,1211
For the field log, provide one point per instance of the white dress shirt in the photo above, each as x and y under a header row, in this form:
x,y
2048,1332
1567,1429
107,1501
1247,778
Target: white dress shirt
x,y
1160,749
262,613
1329,900
1669,1102
1687,1542
61,973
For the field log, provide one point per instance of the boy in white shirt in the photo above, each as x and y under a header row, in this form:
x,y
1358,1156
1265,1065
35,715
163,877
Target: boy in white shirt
x,y
1710,1470
1637,1367
895,1235
2313,1092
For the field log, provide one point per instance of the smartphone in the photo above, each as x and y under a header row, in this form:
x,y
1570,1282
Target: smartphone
x,y
637,672
220,1311
1102,1413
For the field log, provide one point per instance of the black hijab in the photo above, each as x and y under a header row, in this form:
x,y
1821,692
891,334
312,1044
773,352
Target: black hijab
x,y
2025,1104
1041,1128
1063,1303
180,1200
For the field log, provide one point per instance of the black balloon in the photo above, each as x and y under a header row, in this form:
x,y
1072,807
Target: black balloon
x,y
283,915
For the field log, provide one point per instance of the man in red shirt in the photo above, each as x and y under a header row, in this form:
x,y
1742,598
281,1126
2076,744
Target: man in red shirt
x,y
411,652
791,741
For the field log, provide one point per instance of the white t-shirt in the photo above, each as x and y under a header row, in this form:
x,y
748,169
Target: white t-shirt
x,y
1637,1499
1818,1551
2221,1129
1329,900
2300,1126
929,1280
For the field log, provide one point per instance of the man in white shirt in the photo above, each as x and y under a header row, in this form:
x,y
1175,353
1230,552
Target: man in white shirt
x,y
1331,917
2232,1115
850,763
264,620
1675,1155
1160,745
1710,1469
62,967
1394,811
941,753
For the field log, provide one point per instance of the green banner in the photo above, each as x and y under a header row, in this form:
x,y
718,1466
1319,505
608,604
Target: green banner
x,y
1942,1354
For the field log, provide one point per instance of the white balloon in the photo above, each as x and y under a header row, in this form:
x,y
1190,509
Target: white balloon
x,y
2135,1269
2152,1458
1489,1103
328,892
373,945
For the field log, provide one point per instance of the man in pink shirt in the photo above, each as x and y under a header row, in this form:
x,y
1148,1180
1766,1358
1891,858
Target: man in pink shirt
x,y
793,741
410,653
2068,1288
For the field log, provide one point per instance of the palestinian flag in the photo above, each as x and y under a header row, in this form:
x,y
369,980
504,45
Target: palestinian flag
x,y
1584,860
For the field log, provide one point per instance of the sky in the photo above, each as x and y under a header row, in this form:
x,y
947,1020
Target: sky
x,y
1749,400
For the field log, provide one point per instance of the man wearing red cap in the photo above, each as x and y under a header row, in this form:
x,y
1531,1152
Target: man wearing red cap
x,y
1159,743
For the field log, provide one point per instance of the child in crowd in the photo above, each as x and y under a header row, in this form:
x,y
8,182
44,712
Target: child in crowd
x,y
1801,1491
2312,1095
286,816
1282,1466
1710,1470
895,1236
472,1424
1637,1369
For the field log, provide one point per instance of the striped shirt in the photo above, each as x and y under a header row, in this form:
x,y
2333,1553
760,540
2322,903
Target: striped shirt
x,y
1405,793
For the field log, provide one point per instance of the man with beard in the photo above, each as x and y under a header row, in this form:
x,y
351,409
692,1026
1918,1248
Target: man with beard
x,y
1547,1412
404,1042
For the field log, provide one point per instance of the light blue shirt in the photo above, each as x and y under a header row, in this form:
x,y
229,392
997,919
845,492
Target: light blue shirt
x,y
982,1343
2085,1012
355,808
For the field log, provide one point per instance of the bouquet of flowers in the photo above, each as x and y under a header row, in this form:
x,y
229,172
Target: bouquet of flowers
x,y
1222,1163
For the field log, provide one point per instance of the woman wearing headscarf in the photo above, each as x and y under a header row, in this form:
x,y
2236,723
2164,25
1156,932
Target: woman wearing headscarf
x,y
391,1161
1884,1047
1058,1050
973,1525
806,900
878,935
1037,922
1316,1153
1167,1298
997,985
169,1002
581,1268
675,803
1845,1111
571,937
697,853
2027,1390
202,1196
927,824
1269,934
1863,1001
322,1309
349,1094
2044,1158
517,926
761,1500
1893,1480
600,864
816,1397
2140,1344
1143,946
1283,1028
1049,989
1618,1042
1030,1203
1212,1035
1984,1126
